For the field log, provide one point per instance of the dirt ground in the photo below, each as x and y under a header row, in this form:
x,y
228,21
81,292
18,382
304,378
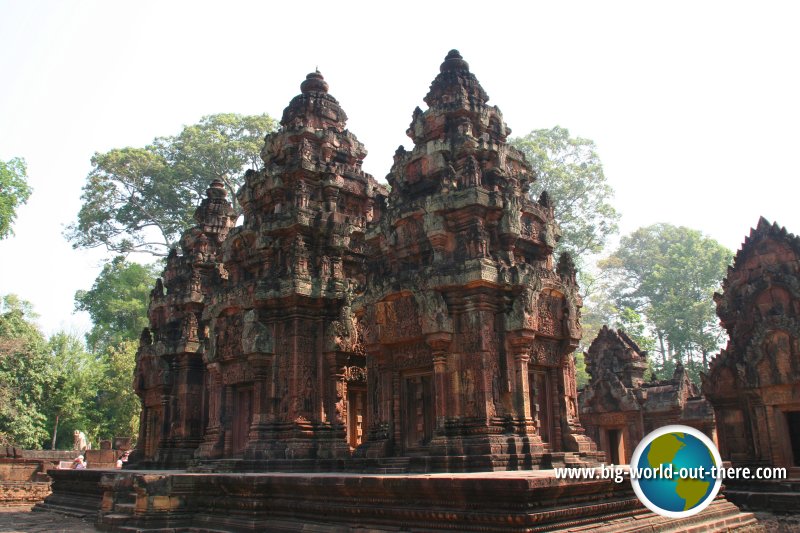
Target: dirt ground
x,y
779,523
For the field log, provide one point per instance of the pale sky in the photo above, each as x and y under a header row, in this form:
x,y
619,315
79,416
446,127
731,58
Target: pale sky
x,y
694,106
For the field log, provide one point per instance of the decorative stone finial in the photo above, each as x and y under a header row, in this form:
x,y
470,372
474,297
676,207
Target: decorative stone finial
x,y
454,61
314,82
216,189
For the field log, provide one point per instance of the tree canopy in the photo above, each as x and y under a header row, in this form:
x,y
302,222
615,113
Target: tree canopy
x,y
117,302
570,170
25,375
14,191
666,275
141,199
51,387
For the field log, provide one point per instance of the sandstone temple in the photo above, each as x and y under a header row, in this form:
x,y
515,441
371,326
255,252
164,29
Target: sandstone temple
x,y
619,407
754,383
365,357
343,319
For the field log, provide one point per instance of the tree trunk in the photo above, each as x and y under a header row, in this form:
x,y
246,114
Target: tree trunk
x,y
55,433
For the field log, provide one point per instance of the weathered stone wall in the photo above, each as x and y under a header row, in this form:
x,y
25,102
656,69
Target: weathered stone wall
x,y
20,469
23,492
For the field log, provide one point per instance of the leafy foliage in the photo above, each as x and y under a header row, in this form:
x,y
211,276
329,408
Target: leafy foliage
x,y
570,170
14,191
56,386
24,375
117,302
117,404
75,378
664,276
581,374
140,199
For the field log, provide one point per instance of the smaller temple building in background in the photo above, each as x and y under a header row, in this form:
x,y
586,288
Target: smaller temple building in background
x,y
754,383
619,407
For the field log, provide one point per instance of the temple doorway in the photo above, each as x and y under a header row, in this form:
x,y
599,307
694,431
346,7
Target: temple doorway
x,y
356,408
243,411
539,390
793,424
418,412
616,448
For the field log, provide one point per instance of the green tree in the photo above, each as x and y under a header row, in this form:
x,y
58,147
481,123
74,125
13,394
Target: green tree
x,y
76,379
25,375
49,388
117,302
570,170
581,374
14,191
117,403
668,275
141,199
635,327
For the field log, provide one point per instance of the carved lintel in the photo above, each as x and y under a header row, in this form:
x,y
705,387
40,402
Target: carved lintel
x,y
260,363
439,342
521,341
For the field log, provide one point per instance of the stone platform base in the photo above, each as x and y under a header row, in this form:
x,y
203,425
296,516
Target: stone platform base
x,y
399,465
776,496
74,492
289,502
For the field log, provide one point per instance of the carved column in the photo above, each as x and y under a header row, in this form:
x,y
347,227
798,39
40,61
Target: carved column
x,y
520,346
167,403
558,397
261,365
336,389
211,449
440,343
396,416
227,419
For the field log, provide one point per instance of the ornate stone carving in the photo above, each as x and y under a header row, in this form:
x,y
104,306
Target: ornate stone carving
x,y
256,337
759,369
433,314
523,315
443,288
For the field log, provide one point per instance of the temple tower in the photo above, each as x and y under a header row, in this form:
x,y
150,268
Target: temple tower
x,y
283,356
170,372
754,383
468,322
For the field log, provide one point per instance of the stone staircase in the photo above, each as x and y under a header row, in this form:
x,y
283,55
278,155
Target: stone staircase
x,y
122,511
